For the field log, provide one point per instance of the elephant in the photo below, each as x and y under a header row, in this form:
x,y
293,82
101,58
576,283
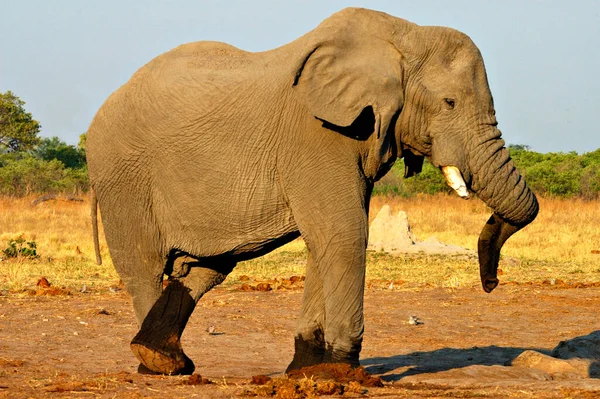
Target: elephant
x,y
210,155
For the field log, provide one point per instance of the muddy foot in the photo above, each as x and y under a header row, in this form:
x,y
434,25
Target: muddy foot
x,y
157,362
314,358
307,353
342,357
305,359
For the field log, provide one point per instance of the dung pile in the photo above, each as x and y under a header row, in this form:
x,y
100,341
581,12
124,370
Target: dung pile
x,y
392,234
315,381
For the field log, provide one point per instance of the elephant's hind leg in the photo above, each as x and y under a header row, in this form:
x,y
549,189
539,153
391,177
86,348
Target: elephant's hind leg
x,y
157,345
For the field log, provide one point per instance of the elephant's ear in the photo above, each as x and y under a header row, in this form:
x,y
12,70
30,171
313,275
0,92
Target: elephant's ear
x,y
338,79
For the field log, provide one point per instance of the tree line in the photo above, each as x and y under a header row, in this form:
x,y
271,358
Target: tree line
x,y
554,174
30,164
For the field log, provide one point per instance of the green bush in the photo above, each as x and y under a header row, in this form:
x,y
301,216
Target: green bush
x,y
21,248
564,175
559,174
54,148
22,174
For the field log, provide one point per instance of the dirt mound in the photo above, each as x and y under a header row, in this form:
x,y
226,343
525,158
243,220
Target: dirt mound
x,y
44,288
392,234
256,287
196,379
50,291
43,282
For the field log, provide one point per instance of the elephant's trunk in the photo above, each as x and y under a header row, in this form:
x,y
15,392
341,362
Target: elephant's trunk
x,y
498,183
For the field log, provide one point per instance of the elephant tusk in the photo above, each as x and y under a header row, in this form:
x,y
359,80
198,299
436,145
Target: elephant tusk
x,y
455,181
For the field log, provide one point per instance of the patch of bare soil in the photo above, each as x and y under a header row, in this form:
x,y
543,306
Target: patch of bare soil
x,y
463,346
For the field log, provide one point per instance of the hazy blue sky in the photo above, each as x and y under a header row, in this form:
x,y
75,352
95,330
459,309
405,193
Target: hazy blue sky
x,y
64,57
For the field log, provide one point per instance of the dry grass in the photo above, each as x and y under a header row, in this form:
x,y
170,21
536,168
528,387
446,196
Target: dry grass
x,y
62,231
558,245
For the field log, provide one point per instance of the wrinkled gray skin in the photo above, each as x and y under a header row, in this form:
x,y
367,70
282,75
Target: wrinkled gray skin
x,y
211,155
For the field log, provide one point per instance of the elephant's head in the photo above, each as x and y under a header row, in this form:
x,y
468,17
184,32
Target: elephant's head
x,y
428,90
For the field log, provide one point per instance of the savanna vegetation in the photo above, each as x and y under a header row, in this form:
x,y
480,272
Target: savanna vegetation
x,y
555,175
560,246
53,238
30,164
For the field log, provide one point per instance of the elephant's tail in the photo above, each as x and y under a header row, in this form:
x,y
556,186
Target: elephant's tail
x,y
94,211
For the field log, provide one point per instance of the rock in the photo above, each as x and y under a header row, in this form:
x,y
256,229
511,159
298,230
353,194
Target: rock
x,y
390,233
557,368
471,376
586,346
196,379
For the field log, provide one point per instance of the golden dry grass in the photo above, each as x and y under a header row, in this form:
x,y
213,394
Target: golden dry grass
x,y
62,231
558,245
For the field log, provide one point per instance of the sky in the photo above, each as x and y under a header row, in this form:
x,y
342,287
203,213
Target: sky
x,y
65,57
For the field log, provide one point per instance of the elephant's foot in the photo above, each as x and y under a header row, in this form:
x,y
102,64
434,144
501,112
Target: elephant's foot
x,y
153,361
337,356
307,352
157,345
313,351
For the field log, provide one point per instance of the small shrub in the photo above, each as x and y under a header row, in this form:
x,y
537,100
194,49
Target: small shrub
x,y
20,248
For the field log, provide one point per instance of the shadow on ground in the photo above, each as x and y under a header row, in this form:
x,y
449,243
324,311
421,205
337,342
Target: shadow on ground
x,y
442,360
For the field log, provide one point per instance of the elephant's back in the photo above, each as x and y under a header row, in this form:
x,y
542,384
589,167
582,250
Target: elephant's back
x,y
212,55
202,55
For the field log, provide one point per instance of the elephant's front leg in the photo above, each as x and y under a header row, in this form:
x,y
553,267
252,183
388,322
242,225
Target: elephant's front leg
x,y
337,239
343,273
157,345
309,342
331,326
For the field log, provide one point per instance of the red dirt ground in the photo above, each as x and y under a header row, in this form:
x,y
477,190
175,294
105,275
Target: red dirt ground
x,y
78,345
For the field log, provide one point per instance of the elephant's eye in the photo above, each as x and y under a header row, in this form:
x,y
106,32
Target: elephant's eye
x,y
450,102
